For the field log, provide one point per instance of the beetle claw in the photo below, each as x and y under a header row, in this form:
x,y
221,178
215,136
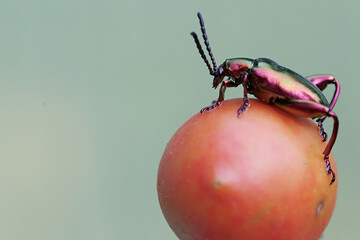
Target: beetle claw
x,y
211,107
243,107
322,131
329,169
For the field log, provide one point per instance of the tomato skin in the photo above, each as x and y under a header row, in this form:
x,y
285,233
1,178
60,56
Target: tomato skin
x,y
257,176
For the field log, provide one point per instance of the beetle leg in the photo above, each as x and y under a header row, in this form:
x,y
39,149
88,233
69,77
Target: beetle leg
x,y
321,82
224,85
322,131
245,99
311,109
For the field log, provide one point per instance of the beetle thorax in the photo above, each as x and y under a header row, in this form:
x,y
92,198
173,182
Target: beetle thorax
x,y
236,67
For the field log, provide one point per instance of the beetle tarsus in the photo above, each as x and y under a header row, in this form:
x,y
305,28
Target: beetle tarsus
x,y
322,131
211,107
329,169
243,107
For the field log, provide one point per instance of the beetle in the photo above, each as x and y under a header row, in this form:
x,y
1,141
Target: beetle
x,y
274,84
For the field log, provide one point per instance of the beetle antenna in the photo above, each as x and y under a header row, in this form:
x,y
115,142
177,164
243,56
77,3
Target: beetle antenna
x,y
198,45
206,41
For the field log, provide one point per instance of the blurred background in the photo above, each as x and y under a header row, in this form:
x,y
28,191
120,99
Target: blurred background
x,y
91,91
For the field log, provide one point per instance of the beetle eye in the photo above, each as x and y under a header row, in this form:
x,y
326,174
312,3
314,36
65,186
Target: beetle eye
x,y
220,71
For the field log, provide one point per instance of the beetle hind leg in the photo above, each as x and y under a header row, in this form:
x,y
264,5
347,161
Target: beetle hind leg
x,y
321,82
305,108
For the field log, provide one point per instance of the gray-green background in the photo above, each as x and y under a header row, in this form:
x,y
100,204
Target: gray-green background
x,y
91,91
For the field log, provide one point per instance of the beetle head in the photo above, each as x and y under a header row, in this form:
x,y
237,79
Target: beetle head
x,y
218,76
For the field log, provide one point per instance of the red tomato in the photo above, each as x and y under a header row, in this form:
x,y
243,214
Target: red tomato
x,y
261,175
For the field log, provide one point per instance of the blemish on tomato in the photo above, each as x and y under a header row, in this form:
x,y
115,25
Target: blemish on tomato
x,y
217,183
319,208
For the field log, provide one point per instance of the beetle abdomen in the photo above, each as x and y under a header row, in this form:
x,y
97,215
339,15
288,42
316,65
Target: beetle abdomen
x,y
271,80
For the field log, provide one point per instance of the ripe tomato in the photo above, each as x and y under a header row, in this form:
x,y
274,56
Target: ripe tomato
x,y
261,175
